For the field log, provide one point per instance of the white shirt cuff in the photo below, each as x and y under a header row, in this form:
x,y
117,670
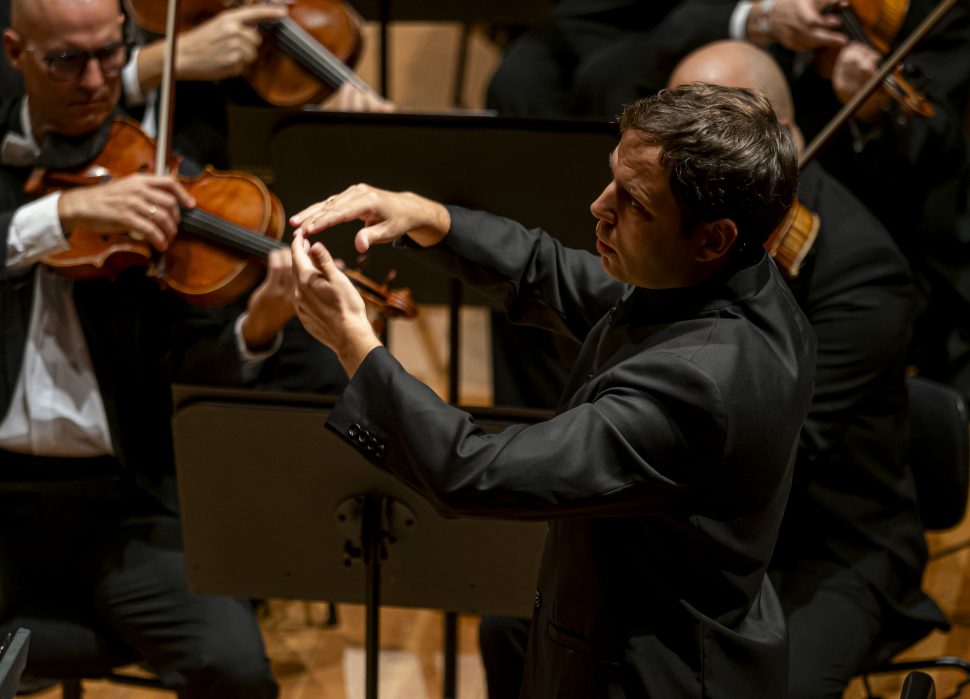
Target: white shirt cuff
x,y
35,232
739,20
129,80
252,360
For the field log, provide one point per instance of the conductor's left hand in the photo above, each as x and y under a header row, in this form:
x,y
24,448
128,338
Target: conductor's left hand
x,y
329,306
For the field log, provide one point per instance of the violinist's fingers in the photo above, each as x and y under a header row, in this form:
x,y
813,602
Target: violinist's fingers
x,y
800,24
147,226
827,37
166,190
260,12
183,196
854,66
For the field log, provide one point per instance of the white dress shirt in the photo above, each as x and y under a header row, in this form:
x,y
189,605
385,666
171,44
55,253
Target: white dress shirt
x,y
57,409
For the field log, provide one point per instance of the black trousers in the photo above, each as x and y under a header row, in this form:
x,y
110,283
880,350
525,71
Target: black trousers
x,y
833,616
87,546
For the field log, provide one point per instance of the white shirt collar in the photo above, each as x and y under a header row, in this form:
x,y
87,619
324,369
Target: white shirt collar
x,y
20,150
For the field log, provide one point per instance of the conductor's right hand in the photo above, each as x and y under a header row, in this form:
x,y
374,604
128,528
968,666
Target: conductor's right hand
x,y
146,205
387,216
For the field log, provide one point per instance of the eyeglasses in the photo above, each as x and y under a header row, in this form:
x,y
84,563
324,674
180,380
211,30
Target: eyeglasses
x,y
69,65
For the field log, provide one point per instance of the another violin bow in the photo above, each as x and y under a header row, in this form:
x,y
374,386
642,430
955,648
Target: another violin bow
x,y
875,80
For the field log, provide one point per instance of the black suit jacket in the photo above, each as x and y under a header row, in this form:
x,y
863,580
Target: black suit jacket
x,y
853,501
665,472
139,337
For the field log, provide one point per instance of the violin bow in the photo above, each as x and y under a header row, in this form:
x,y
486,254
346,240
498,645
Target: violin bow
x,y
875,80
167,108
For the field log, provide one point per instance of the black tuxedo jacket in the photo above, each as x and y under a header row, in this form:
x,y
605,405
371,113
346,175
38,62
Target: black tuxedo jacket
x,y
140,338
853,501
664,474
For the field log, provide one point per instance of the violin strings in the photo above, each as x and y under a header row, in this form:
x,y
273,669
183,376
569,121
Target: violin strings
x,y
312,55
218,230
853,27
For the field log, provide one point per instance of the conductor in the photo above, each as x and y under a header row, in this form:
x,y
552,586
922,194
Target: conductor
x,y
665,472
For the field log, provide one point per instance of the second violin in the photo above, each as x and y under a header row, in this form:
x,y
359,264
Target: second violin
x,y
876,23
303,57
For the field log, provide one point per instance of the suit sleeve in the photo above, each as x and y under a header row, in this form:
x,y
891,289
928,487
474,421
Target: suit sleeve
x,y
636,448
537,280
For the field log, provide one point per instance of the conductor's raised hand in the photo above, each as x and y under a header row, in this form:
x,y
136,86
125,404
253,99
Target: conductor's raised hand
x,y
387,216
329,306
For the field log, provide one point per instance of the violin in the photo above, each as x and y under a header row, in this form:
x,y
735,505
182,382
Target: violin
x,y
222,243
875,23
872,84
303,57
792,239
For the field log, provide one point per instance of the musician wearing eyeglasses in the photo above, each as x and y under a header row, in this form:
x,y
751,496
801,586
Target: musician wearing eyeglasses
x,y
87,495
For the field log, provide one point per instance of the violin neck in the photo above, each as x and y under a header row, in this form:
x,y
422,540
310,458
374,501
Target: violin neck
x,y
227,234
852,26
230,235
310,54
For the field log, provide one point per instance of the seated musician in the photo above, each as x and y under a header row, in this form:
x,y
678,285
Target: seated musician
x,y
666,471
850,557
911,171
211,57
87,492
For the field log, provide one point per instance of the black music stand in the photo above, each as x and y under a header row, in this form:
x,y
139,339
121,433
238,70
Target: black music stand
x,y
276,505
13,659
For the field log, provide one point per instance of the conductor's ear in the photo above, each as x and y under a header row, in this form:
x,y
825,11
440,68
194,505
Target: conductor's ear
x,y
715,239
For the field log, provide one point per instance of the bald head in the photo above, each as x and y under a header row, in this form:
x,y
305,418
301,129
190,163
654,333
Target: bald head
x,y
42,31
27,17
737,64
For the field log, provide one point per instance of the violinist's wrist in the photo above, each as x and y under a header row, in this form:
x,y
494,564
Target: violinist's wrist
x,y
758,28
68,211
149,63
261,333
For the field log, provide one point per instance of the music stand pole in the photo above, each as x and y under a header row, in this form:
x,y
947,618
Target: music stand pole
x,y
450,675
372,538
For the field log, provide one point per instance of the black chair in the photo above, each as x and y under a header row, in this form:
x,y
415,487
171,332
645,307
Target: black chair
x,y
939,455
13,657
70,651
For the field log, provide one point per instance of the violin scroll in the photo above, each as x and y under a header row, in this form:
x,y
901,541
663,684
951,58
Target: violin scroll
x,y
384,301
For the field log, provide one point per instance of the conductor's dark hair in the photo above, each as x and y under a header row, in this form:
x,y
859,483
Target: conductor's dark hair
x,y
725,153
